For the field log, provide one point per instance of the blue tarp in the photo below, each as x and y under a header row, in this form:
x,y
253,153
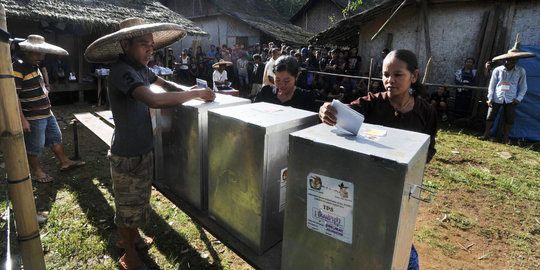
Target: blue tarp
x,y
527,121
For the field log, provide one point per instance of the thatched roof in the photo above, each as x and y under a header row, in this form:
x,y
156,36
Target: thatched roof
x,y
104,14
260,15
342,4
345,32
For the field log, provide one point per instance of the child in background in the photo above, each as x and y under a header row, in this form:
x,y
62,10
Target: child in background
x,y
439,99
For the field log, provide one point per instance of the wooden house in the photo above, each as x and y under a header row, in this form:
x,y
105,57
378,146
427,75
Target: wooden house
x,y
448,30
237,22
74,24
317,15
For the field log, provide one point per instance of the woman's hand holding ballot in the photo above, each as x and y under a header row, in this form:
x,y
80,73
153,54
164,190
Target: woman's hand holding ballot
x,y
327,114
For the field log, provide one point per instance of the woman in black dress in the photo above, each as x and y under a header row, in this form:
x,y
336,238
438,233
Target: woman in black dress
x,y
398,107
285,92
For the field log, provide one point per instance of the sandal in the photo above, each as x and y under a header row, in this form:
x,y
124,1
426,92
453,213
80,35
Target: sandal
x,y
124,265
74,165
483,138
44,179
143,243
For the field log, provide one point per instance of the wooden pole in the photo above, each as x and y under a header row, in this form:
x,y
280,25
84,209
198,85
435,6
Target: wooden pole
x,y
387,21
427,70
426,28
370,75
18,174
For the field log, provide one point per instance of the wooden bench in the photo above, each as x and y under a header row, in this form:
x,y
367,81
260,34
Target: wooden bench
x,y
100,123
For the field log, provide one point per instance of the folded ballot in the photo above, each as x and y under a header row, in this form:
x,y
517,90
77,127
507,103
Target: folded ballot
x,y
347,118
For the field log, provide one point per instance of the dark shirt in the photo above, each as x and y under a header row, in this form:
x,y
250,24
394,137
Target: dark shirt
x,y
353,65
29,85
322,63
133,125
435,96
332,63
422,118
313,63
301,99
258,73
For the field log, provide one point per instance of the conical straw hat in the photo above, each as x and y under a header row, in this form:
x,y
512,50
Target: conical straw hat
x,y
36,43
514,53
222,62
107,48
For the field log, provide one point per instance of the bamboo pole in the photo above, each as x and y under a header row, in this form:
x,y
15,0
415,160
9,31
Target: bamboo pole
x,y
427,40
387,21
426,71
18,175
370,75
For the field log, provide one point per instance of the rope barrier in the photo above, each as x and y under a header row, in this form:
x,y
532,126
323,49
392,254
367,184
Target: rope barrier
x,y
379,79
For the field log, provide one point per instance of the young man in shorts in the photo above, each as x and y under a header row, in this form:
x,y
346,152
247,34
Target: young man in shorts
x,y
131,156
38,122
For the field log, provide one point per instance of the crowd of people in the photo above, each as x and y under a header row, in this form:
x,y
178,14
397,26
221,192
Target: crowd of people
x,y
249,69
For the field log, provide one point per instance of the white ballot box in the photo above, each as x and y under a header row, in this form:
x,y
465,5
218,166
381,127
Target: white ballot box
x,y
181,150
349,203
248,148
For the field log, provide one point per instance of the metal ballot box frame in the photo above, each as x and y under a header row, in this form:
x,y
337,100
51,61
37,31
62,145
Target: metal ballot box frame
x,y
349,202
248,147
182,148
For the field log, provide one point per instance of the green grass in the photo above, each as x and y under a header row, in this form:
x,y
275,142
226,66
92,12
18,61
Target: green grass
x,y
484,195
433,238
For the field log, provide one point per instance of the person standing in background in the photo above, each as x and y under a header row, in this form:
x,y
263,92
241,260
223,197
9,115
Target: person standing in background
x,y
507,87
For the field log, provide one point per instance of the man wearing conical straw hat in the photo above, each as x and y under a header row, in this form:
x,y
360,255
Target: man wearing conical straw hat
x,y
131,157
38,122
507,88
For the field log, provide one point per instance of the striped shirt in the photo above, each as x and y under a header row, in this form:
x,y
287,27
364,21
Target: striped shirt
x,y
29,84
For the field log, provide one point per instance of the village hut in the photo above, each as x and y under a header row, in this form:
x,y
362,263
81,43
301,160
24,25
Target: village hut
x,y
74,24
317,15
237,22
449,31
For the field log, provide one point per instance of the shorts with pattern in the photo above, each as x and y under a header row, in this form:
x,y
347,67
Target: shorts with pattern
x,y
132,186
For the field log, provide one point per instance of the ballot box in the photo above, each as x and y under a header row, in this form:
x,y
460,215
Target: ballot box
x,y
247,152
181,148
350,200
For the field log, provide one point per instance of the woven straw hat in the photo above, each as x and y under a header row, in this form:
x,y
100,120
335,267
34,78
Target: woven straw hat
x,y
107,48
36,43
514,53
222,62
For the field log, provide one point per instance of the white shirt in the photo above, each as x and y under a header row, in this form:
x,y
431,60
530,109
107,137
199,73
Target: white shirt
x,y
518,84
219,77
269,71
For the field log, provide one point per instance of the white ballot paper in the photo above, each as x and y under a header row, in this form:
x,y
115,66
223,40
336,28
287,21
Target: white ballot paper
x,y
347,118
